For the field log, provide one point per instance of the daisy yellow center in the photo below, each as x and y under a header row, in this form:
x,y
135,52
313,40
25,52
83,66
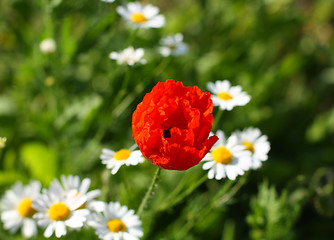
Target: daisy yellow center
x,y
116,225
122,154
25,209
172,47
138,17
249,146
59,212
221,155
224,96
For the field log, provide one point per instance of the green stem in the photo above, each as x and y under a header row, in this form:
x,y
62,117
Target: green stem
x,y
149,192
161,67
185,194
222,197
132,37
226,197
123,88
110,187
217,119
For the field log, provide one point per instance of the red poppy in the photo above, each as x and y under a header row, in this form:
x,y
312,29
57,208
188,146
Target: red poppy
x,y
172,124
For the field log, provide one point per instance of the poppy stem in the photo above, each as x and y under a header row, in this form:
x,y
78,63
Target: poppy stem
x,y
149,192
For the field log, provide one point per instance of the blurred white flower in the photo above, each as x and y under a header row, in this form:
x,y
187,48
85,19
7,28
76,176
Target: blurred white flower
x,y
48,46
140,15
114,160
108,1
128,56
256,143
227,158
3,141
17,210
58,210
72,186
173,45
116,222
227,97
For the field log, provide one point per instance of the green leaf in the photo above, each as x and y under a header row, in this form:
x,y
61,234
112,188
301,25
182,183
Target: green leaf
x,y
81,109
322,126
40,160
9,178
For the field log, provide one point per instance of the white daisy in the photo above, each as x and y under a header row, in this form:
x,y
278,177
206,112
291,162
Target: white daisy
x,y
72,186
140,15
17,210
116,222
57,211
3,141
256,143
173,45
227,97
128,56
48,46
227,158
114,160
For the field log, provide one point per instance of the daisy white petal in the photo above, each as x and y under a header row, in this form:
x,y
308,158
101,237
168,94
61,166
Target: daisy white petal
x,y
211,173
59,207
29,228
208,165
226,96
76,191
129,56
116,222
227,158
255,143
139,15
60,229
49,230
114,160
173,45
17,210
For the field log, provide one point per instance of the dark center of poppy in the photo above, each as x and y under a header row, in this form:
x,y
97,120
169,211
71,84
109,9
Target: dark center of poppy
x,y
167,133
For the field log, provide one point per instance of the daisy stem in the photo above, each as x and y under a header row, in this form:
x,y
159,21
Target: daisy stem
x,y
217,119
149,192
123,89
222,197
132,37
219,201
186,193
161,67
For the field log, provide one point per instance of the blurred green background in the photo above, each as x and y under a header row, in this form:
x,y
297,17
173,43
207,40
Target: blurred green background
x,y
59,110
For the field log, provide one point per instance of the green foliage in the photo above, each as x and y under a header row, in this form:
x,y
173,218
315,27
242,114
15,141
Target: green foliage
x,y
324,191
40,161
59,110
272,214
322,125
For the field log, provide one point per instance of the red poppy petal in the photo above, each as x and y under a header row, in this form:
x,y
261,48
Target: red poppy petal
x,y
172,124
